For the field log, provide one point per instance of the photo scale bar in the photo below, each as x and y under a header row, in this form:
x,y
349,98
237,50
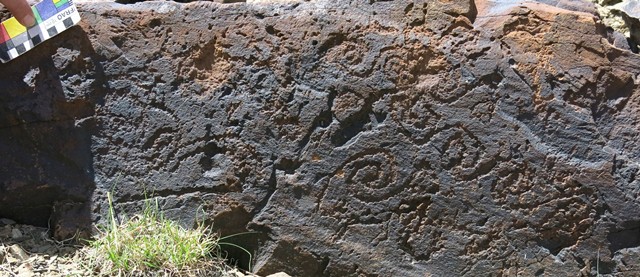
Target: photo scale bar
x,y
52,18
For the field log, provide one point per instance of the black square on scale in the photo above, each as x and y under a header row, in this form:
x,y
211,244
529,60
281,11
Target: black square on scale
x,y
21,49
52,31
36,40
68,22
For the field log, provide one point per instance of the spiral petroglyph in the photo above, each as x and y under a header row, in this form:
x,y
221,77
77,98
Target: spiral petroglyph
x,y
355,138
369,177
362,188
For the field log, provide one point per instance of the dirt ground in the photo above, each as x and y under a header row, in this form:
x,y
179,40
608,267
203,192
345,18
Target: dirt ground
x,y
29,251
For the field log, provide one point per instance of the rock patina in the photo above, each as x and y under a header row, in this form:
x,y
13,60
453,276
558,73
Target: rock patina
x,y
358,138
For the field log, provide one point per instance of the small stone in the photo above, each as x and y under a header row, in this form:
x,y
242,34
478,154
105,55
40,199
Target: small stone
x,y
5,232
3,252
6,221
16,252
235,273
16,234
279,274
25,270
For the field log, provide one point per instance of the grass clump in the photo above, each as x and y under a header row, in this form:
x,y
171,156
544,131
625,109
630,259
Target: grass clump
x,y
150,245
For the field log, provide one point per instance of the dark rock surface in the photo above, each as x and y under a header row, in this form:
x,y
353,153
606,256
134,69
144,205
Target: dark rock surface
x,y
372,138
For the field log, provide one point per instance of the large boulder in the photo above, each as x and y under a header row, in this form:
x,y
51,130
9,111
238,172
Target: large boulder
x,y
373,138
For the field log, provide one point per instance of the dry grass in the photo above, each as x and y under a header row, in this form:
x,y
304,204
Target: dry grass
x,y
150,245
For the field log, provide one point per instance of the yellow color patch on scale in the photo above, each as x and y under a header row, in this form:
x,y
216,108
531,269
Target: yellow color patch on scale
x,y
13,27
56,1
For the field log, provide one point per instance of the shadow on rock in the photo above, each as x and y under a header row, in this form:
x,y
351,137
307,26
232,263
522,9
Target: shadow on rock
x,y
46,121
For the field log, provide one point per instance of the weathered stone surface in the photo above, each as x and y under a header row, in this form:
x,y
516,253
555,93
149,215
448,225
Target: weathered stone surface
x,y
385,138
630,13
46,120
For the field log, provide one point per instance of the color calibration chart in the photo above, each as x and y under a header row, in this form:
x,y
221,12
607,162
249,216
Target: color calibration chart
x,y
52,17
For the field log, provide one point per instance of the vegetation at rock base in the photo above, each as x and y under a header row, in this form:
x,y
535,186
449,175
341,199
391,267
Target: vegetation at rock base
x,y
146,244
150,243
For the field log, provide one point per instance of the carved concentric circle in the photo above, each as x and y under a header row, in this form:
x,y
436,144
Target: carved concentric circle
x,y
460,151
352,56
368,177
362,188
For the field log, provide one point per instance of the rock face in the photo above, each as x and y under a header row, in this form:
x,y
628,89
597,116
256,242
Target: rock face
x,y
379,138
